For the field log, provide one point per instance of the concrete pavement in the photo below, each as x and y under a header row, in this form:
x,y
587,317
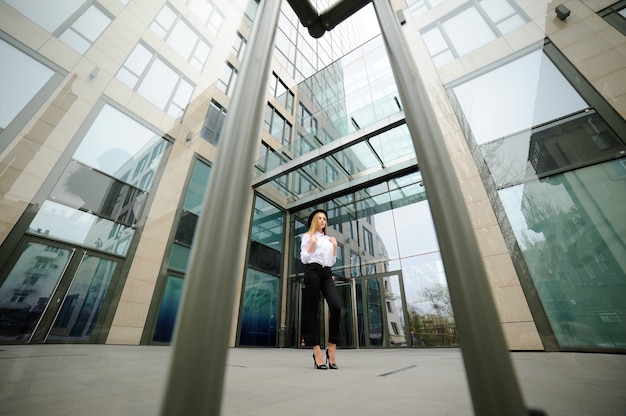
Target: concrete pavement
x,y
98,380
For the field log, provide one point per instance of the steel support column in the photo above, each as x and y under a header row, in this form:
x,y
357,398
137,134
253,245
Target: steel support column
x,y
198,363
490,373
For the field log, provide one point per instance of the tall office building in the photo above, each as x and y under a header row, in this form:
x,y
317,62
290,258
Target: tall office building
x,y
112,113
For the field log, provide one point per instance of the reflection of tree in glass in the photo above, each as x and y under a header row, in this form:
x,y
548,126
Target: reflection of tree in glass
x,y
435,327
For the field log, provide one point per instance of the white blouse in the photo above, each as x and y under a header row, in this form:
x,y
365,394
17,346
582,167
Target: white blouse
x,y
323,252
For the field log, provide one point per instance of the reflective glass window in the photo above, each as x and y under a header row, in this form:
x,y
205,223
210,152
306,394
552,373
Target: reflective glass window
x,y
48,14
572,233
84,31
213,123
259,310
116,144
552,159
148,74
539,94
446,39
181,36
58,221
227,80
418,7
197,187
21,78
207,12
169,309
179,258
92,191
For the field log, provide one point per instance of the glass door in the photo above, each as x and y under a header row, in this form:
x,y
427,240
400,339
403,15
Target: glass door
x,y
54,293
382,316
347,329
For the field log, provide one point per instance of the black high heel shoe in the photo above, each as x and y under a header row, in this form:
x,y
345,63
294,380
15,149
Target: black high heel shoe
x,y
330,365
318,366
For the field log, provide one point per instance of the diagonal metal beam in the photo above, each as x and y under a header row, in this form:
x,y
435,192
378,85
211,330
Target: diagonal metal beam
x,y
317,23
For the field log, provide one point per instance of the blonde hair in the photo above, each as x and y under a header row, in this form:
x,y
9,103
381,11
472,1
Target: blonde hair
x,y
313,226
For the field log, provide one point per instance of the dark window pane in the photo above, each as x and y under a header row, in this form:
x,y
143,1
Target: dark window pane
x,y
92,191
186,228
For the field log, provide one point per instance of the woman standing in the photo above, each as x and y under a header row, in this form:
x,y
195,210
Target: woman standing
x,y
319,253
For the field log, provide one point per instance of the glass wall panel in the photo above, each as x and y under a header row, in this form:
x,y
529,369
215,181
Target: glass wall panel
x,y
77,319
49,14
21,78
259,313
571,229
25,293
551,158
539,94
197,188
384,229
121,147
78,227
169,309
89,190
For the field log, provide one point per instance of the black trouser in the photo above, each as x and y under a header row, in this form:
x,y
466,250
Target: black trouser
x,y
319,279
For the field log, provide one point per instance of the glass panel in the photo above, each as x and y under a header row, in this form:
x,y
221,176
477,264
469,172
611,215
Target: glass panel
x,y
179,258
159,83
84,188
374,308
136,64
118,145
259,310
25,293
346,329
186,228
183,39
394,304
77,319
75,40
49,14
456,29
267,224
68,224
434,40
21,77
496,9
169,309
539,94
431,318
91,24
566,144
572,232
510,24
197,187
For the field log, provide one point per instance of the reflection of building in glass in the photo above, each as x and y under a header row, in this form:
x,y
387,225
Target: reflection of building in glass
x,y
106,148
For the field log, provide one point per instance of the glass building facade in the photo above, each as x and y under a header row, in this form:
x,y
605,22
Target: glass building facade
x,y
113,112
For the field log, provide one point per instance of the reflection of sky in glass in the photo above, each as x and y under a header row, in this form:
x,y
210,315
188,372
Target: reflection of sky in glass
x,y
112,140
512,201
69,224
457,30
420,272
19,81
515,97
48,14
63,222
416,230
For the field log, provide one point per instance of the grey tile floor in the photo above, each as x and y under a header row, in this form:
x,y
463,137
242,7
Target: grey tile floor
x,y
96,380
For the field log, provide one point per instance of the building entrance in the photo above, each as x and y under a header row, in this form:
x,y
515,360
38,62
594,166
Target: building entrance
x,y
52,292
